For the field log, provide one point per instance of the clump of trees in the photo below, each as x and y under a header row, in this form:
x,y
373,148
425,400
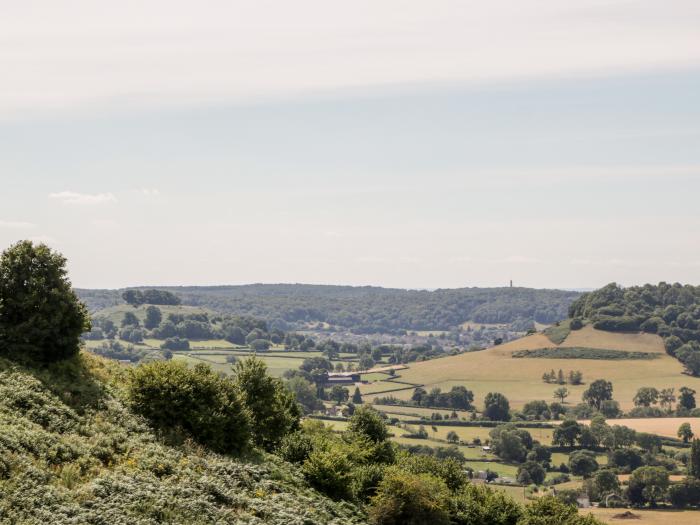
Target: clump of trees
x,y
574,377
159,297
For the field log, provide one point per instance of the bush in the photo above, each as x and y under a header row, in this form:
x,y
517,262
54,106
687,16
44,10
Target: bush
x,y
41,318
197,401
549,510
329,471
409,499
479,505
295,447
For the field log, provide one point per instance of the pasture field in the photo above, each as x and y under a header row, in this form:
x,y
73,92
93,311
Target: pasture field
x,y
646,517
520,380
276,366
402,412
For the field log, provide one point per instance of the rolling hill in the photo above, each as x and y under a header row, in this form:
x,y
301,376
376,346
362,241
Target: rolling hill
x,y
520,379
366,309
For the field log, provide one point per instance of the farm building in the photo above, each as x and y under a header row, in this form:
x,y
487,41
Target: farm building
x,y
342,379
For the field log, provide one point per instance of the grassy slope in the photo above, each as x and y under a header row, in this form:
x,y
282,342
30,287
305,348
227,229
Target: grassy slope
x,y
70,452
494,370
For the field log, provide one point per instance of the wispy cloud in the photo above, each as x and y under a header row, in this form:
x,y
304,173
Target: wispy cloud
x,y
16,225
463,41
73,197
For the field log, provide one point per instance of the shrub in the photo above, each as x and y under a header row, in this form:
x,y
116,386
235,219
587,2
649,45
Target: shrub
x,y
549,510
479,505
409,499
197,401
329,471
295,447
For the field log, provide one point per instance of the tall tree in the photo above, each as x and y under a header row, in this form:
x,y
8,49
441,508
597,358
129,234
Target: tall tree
x,y
694,463
646,396
496,407
561,393
41,318
153,317
686,399
600,390
273,409
685,432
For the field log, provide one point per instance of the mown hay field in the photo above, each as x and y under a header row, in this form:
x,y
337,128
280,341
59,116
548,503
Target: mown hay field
x,y
667,426
520,380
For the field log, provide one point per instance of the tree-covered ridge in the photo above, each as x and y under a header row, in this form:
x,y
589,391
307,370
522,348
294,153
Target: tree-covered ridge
x,y
670,310
367,309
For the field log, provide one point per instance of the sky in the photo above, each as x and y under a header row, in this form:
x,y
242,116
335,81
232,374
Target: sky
x,y
396,143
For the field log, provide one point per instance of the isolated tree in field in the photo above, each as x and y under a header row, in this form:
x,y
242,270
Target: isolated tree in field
x,y
667,397
153,317
685,432
546,377
41,318
561,393
357,396
273,408
646,396
686,399
694,461
339,394
496,407
452,437
600,390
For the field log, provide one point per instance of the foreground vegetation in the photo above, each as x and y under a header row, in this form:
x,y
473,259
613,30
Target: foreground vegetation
x,y
84,440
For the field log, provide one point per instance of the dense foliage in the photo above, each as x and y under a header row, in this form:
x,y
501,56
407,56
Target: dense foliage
x,y
194,401
576,352
369,309
72,453
41,319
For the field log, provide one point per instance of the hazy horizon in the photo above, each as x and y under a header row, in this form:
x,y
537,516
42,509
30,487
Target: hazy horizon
x,y
391,144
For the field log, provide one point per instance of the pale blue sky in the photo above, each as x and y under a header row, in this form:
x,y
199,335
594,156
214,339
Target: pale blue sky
x,y
576,167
